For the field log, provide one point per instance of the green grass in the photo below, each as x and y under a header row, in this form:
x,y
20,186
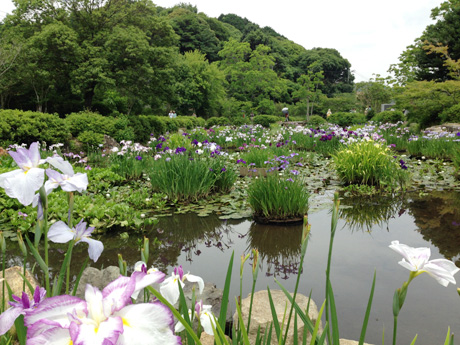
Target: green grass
x,y
278,198
369,163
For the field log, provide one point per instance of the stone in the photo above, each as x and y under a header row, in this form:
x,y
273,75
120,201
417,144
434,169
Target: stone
x,y
97,278
261,315
109,143
350,342
15,281
211,295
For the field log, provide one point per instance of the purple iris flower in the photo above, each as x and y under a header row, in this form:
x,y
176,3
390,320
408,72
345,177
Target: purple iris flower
x,y
21,306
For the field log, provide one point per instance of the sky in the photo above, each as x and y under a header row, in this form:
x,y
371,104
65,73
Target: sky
x,y
370,34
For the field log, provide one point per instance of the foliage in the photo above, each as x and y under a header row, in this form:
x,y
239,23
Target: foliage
x,y
91,139
239,121
451,114
342,103
347,119
217,121
316,120
425,63
373,93
337,75
370,163
265,120
177,177
89,121
389,116
27,127
309,87
199,84
278,198
130,165
426,100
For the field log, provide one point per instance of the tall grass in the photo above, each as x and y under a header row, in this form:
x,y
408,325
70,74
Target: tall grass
x,y
278,198
185,178
369,163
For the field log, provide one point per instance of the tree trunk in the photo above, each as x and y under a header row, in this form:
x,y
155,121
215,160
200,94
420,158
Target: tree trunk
x,y
89,94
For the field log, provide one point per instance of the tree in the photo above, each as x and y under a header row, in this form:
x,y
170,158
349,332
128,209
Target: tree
x,y
199,85
373,93
194,33
444,33
250,74
81,49
309,87
452,65
426,100
336,69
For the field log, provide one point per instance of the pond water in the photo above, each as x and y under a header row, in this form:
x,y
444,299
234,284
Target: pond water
x,y
203,246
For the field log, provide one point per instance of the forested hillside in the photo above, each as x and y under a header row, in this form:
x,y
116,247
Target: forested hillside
x,y
132,57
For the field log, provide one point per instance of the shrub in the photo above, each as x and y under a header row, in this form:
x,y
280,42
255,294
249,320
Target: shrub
x,y
198,121
90,138
265,120
316,120
347,119
121,129
451,114
158,125
172,125
141,128
19,127
370,114
389,116
217,121
185,122
239,121
369,163
278,198
89,121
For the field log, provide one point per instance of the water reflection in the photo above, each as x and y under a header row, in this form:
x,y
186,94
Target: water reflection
x,y
190,234
279,248
362,213
438,220
204,245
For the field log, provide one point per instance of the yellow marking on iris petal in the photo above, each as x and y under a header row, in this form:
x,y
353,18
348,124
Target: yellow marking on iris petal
x,y
70,342
125,322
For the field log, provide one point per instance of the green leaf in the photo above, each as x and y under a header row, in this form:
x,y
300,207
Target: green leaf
x,y
334,321
225,294
21,330
368,311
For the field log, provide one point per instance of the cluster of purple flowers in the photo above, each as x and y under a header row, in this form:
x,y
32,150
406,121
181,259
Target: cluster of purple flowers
x,y
180,150
403,164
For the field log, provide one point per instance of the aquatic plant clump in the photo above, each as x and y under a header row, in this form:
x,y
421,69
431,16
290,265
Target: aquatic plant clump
x,y
278,198
370,163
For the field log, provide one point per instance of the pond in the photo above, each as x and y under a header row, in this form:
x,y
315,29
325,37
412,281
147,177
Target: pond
x,y
203,246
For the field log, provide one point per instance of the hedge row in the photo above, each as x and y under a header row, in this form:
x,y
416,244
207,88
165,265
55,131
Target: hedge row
x,y
18,126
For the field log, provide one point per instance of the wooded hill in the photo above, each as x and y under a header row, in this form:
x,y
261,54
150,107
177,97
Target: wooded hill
x,y
132,57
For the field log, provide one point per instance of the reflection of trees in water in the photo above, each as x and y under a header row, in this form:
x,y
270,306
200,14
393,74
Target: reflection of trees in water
x,y
362,213
437,217
279,246
184,233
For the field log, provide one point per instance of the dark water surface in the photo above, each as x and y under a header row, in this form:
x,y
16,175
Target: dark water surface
x,y
203,246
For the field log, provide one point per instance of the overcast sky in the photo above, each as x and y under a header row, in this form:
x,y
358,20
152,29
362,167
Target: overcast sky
x,y
371,34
